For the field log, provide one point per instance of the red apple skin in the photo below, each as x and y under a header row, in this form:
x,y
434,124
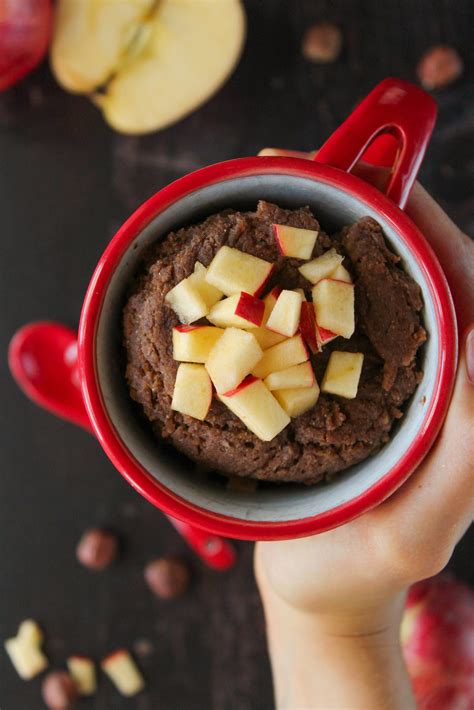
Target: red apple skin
x,y
261,288
308,326
275,292
250,308
438,643
249,380
25,29
324,336
188,328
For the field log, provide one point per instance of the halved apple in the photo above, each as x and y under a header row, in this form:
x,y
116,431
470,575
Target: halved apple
x,y
308,326
82,671
149,63
341,274
343,374
123,672
238,311
298,401
193,343
285,316
290,352
334,304
233,271
209,293
232,358
187,302
255,405
298,376
321,267
294,241
192,394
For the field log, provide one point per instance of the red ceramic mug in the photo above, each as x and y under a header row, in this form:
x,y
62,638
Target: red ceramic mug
x,y
337,197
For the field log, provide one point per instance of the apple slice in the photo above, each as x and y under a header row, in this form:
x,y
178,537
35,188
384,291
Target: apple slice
x,y
232,358
193,343
255,405
25,652
308,326
209,293
293,377
341,274
324,336
321,267
266,338
187,302
290,352
285,316
122,670
149,63
342,374
298,401
334,304
238,311
82,671
192,394
294,241
233,271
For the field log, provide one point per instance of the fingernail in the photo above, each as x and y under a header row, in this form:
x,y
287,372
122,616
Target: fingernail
x,y
470,355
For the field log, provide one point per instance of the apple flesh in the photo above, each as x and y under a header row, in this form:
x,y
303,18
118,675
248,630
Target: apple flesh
x,y
238,311
266,338
341,274
233,271
308,326
437,634
232,358
281,356
294,241
25,28
192,394
193,343
82,671
334,304
257,408
321,267
297,401
295,377
343,374
210,294
123,672
285,316
25,652
146,64
187,302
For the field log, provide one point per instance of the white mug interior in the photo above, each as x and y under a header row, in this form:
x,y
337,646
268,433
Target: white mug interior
x,y
334,208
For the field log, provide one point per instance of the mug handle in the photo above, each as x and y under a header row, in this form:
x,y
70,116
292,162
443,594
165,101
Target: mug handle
x,y
390,127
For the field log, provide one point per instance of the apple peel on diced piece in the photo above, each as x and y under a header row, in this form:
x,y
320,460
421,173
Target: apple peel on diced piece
x,y
232,358
266,338
343,374
146,64
238,311
285,316
25,652
192,394
233,271
324,336
322,267
291,351
257,408
193,343
82,671
297,401
297,376
295,241
122,670
334,305
308,326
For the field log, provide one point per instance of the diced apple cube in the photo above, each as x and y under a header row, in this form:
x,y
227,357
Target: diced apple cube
x,y
30,632
192,394
209,293
294,241
334,304
298,401
308,326
321,267
27,658
266,338
250,308
238,311
233,271
292,377
82,671
286,354
324,336
255,405
342,374
341,274
187,302
123,672
193,343
232,358
285,316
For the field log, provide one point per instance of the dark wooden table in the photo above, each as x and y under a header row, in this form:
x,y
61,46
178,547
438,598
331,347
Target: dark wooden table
x,y
66,183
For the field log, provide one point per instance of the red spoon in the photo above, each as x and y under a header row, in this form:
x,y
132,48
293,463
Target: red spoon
x,y
43,361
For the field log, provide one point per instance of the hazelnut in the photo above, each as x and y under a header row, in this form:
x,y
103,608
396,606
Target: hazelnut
x,y
97,549
167,577
439,67
322,43
59,691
